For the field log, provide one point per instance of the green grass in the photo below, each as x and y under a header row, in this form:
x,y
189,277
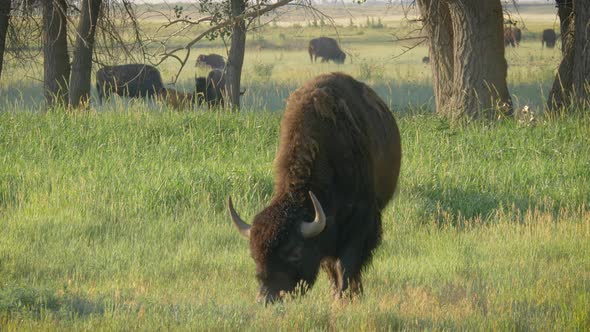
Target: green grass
x,y
118,221
115,218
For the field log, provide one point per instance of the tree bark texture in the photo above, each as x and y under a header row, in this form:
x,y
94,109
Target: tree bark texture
x,y
581,74
82,63
571,87
56,62
4,18
235,58
467,45
437,23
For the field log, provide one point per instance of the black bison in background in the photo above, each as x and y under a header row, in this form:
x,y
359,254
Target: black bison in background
x,y
212,60
131,80
426,60
327,49
512,36
336,168
211,89
548,38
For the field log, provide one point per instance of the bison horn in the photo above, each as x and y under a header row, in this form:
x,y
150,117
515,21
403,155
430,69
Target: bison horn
x,y
242,226
311,229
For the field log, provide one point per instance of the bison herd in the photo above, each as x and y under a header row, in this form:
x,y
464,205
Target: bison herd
x,y
513,36
142,80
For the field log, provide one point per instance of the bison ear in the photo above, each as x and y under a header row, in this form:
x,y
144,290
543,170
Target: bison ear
x,y
324,101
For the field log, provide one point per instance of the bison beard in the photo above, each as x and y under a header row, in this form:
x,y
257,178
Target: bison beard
x,y
340,142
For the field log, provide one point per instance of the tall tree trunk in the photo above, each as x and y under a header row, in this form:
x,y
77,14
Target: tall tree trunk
x,y
235,59
571,87
437,23
56,61
581,77
467,52
480,70
82,64
4,18
559,94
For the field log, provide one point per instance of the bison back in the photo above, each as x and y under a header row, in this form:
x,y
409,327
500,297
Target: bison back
x,y
338,138
325,47
133,80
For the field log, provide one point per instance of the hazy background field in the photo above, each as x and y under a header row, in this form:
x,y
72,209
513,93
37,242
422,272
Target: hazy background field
x,y
115,218
277,60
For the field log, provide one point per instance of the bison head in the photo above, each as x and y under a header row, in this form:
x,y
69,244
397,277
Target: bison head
x,y
281,248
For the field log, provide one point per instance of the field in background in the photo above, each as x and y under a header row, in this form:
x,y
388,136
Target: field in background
x,y
277,60
115,218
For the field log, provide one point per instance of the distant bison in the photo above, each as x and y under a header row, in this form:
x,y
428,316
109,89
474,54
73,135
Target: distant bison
x,y
211,89
176,99
512,36
337,167
426,60
548,38
131,80
215,61
325,48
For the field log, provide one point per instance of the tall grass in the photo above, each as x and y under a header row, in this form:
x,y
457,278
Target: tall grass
x,y
117,220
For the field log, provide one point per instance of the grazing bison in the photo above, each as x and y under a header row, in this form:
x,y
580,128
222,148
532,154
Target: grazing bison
x,y
512,36
212,60
211,89
325,48
336,168
426,60
131,80
176,99
548,38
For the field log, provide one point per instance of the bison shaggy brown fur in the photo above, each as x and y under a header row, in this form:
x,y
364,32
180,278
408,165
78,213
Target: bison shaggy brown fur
x,y
548,38
130,80
212,60
512,36
325,48
176,99
338,159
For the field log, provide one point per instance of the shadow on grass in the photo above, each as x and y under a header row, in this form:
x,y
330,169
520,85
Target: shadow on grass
x,y
458,206
34,301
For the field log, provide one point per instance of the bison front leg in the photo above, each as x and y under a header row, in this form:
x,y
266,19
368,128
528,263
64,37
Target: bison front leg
x,y
330,265
358,253
349,278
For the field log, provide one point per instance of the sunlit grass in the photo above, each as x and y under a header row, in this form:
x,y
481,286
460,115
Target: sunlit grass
x,y
117,219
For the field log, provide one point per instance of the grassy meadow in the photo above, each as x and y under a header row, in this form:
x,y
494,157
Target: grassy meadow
x,y
115,218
